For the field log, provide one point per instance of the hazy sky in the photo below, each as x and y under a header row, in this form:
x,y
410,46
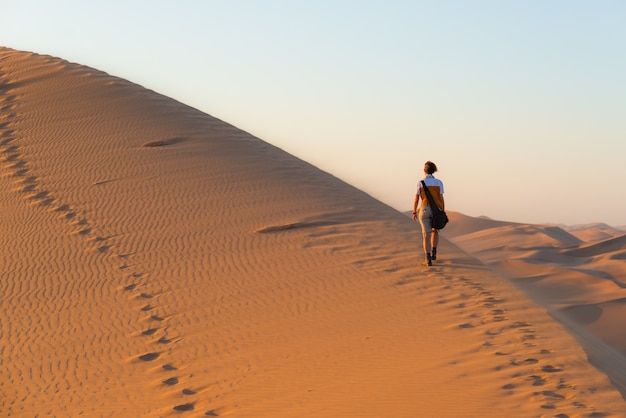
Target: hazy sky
x,y
522,104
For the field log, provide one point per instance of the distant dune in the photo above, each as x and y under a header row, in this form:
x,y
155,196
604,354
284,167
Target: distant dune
x,y
594,232
157,262
462,224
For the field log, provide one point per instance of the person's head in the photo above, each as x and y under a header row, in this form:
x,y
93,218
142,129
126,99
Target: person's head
x,y
429,167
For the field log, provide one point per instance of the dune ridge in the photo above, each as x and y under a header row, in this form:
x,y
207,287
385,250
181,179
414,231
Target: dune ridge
x,y
160,262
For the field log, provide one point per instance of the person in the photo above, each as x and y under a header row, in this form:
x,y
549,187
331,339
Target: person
x,y
429,234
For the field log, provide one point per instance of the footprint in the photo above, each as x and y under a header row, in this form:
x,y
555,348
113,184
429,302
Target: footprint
x,y
564,385
189,392
169,367
104,248
164,340
29,189
47,202
538,380
149,357
552,394
83,222
31,180
171,381
11,149
184,407
527,361
21,166
39,196
150,331
551,369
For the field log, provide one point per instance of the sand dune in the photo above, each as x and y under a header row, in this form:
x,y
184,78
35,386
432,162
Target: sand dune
x,y
581,283
464,224
157,261
614,246
594,232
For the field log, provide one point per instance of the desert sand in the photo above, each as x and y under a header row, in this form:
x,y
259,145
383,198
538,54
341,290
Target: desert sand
x,y
578,273
157,261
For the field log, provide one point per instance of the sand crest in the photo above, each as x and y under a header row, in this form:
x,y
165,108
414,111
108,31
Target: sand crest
x,y
157,261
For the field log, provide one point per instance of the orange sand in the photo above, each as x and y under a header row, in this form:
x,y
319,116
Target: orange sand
x,y
157,261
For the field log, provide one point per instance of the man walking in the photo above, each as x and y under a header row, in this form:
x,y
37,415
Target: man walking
x,y
430,235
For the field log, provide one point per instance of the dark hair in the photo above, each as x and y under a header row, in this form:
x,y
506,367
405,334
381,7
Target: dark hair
x,y
430,167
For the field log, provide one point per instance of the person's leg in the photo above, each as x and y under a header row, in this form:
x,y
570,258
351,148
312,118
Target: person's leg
x,y
427,248
434,244
427,227
427,242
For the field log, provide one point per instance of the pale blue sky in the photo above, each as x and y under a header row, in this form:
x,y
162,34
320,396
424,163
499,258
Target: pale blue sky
x,y
522,104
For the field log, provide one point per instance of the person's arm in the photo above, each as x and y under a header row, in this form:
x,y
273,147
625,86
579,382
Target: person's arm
x,y
415,202
443,204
